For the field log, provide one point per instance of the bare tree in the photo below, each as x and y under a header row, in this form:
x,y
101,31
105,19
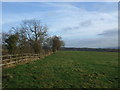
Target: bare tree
x,y
31,37
33,32
56,43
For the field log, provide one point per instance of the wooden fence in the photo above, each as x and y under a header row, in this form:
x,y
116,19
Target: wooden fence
x,y
8,60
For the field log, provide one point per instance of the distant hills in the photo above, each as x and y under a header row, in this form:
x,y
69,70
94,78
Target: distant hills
x,y
113,49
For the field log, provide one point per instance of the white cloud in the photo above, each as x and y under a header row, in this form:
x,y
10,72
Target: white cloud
x,y
73,19
69,16
60,0
0,16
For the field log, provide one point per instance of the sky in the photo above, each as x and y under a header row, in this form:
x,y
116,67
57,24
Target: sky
x,y
80,24
60,0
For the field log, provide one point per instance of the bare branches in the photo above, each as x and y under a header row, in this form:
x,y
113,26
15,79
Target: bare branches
x,y
32,37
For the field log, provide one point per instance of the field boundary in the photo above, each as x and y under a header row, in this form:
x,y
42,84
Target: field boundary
x,y
11,60
92,49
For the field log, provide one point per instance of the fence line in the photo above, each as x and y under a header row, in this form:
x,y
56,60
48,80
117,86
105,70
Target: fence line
x,y
8,60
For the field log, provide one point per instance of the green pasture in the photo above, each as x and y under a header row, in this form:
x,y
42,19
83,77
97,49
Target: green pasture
x,y
66,69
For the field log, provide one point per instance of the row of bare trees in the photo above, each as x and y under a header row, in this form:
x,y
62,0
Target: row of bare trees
x,y
30,37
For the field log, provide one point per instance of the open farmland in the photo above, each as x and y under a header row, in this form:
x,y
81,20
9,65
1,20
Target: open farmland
x,y
66,69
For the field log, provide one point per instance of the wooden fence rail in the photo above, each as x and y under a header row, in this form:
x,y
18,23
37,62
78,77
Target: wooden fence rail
x,y
19,58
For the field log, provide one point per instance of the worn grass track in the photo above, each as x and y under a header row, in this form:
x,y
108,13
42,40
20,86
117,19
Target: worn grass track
x,y
66,69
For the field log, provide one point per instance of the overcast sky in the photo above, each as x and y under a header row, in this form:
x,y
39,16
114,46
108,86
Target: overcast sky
x,y
80,24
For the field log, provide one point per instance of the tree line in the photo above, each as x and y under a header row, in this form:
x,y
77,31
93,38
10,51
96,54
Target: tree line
x,y
31,36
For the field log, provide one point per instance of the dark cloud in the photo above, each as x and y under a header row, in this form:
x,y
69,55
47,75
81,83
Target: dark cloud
x,y
112,32
82,24
67,29
86,23
102,19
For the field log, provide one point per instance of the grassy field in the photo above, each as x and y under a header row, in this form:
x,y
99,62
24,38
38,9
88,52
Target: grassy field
x,y
66,69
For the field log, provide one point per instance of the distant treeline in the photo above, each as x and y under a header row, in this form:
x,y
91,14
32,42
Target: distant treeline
x,y
91,49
